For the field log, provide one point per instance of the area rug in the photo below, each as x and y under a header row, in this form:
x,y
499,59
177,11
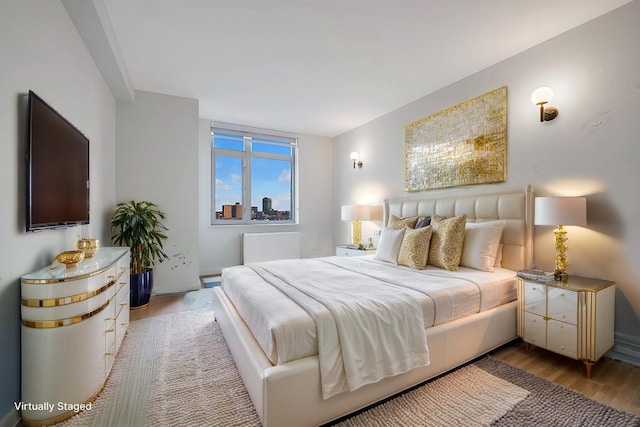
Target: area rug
x,y
546,404
551,404
176,370
199,299
172,370
468,396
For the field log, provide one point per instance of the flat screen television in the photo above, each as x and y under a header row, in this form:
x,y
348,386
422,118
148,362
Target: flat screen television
x,y
57,170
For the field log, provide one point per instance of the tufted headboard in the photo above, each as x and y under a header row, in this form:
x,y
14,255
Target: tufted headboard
x,y
514,207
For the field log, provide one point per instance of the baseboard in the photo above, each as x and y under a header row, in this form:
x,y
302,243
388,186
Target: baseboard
x,y
11,419
626,349
182,292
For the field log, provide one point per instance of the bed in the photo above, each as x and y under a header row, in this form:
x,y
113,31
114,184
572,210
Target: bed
x,y
286,382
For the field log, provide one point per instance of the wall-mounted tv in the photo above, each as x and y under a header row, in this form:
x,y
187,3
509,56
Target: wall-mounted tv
x,y
57,169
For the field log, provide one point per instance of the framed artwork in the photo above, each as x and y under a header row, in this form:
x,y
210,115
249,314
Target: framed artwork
x,y
462,145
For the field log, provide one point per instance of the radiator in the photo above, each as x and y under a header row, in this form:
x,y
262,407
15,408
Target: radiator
x,y
258,247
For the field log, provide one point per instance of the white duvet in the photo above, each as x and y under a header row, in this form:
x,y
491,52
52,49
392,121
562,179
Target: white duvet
x,y
360,340
286,327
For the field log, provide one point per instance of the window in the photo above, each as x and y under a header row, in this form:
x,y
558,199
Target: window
x,y
253,177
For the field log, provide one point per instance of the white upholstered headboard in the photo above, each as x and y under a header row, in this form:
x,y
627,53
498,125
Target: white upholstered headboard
x,y
514,207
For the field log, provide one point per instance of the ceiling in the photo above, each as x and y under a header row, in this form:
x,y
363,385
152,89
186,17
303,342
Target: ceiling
x,y
323,67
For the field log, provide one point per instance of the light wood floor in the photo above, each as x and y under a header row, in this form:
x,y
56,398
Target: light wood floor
x,y
159,305
614,383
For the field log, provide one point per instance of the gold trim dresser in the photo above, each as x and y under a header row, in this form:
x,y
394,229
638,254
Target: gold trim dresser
x,y
73,322
573,318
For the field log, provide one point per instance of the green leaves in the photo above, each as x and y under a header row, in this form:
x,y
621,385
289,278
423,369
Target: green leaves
x,y
138,225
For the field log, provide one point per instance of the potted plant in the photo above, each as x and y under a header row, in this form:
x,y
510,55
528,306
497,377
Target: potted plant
x,y
138,225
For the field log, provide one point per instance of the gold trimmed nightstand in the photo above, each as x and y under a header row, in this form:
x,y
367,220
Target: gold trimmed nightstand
x,y
349,251
573,318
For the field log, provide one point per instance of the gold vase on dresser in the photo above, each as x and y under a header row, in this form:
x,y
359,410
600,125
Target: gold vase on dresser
x,y
88,246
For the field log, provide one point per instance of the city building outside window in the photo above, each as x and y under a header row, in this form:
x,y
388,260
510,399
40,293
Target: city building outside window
x,y
253,177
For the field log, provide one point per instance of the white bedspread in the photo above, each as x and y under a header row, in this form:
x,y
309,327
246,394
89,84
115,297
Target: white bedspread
x,y
286,331
360,340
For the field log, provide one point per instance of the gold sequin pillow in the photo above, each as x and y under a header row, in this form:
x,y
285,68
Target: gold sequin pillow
x,y
447,241
415,248
399,223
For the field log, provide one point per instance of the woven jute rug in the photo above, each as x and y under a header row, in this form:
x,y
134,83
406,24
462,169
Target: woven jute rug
x,y
468,396
172,370
176,370
551,404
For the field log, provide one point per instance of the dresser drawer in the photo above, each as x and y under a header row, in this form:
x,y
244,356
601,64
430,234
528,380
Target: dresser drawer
x,y
563,305
534,329
122,323
535,298
562,338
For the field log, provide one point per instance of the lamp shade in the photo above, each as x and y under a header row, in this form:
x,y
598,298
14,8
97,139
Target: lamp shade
x,y
561,211
360,212
542,95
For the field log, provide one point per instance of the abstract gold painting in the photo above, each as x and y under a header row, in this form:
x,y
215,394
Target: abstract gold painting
x,y
462,145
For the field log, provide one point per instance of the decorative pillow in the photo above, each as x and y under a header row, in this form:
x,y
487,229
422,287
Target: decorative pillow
x,y
400,223
481,242
446,241
423,222
415,248
389,245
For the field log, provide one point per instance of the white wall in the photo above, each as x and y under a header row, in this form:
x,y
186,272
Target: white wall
x,y
157,161
41,51
590,149
220,244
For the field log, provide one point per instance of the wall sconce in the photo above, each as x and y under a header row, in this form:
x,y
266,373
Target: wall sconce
x,y
355,156
542,96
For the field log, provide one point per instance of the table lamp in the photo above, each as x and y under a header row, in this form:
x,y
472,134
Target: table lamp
x,y
561,211
356,214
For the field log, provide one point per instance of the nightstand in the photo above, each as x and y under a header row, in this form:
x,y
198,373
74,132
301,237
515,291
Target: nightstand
x,y
573,318
347,251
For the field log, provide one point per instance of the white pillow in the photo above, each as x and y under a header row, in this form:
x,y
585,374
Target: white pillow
x,y
389,245
498,263
481,242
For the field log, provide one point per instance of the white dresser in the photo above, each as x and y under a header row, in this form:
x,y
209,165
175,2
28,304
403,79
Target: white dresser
x,y
73,322
573,318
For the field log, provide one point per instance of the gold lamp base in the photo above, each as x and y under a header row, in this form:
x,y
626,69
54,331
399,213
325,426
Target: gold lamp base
x,y
357,232
560,273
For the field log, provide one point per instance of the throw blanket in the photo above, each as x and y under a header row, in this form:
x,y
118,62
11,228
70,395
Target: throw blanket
x,y
366,330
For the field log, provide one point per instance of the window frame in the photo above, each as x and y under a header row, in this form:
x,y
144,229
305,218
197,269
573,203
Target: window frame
x,y
246,155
